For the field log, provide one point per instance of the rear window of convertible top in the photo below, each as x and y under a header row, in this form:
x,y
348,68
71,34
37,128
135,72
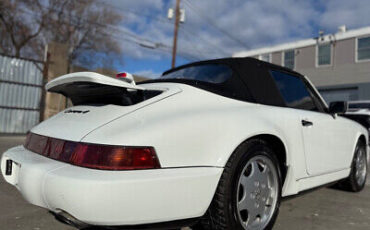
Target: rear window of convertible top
x,y
211,73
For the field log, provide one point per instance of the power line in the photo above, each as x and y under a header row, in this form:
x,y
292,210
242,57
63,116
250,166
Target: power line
x,y
140,40
209,43
158,46
110,30
193,47
212,23
108,27
160,19
134,12
187,55
162,49
135,37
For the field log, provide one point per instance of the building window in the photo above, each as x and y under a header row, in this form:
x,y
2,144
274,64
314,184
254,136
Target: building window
x,y
265,57
323,54
289,59
363,49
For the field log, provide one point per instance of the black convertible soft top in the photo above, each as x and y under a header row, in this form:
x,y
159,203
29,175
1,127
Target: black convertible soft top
x,y
251,80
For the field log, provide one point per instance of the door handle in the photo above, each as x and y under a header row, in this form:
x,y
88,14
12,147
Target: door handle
x,y
306,123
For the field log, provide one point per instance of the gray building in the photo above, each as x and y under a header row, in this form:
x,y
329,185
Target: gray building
x,y
337,64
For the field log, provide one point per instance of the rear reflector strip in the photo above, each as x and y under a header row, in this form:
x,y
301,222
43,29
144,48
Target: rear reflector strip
x,y
105,157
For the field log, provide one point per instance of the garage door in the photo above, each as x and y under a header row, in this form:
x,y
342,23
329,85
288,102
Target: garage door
x,y
346,94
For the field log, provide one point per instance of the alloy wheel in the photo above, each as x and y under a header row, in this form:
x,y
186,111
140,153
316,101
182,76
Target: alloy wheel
x,y
257,193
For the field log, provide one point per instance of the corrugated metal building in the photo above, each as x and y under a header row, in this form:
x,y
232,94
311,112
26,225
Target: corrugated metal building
x,y
20,94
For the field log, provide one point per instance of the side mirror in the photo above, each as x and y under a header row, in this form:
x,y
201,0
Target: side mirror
x,y
338,107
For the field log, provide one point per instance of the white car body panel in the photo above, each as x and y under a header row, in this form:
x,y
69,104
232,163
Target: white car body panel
x,y
181,130
227,113
314,181
324,152
109,197
359,112
90,77
74,126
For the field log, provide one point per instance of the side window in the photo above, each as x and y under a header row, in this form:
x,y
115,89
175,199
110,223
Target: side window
x,y
318,102
293,91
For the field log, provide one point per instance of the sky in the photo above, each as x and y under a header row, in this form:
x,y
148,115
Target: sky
x,y
219,28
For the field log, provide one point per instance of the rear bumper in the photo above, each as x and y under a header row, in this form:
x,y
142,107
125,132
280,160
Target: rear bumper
x,y
110,198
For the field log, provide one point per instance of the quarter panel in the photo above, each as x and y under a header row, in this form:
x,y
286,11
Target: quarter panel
x,y
75,125
197,128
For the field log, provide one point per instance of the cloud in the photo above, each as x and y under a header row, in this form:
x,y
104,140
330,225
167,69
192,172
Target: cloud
x,y
147,73
254,22
342,12
218,28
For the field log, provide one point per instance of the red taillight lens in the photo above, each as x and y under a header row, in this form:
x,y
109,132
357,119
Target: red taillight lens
x,y
114,158
92,155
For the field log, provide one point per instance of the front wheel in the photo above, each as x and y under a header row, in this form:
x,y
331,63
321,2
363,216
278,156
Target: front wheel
x,y
357,178
249,191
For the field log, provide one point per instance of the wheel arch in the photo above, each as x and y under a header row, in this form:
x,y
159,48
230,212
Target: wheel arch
x,y
362,138
279,148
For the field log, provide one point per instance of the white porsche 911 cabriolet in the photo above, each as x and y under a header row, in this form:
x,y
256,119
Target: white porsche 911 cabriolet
x,y
213,144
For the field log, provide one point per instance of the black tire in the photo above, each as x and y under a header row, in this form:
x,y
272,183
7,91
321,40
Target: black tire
x,y
198,226
351,182
222,213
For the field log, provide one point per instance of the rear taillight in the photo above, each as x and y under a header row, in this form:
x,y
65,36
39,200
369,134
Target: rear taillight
x,y
106,157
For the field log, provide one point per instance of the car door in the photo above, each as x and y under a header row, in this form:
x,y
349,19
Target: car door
x,y
333,132
327,140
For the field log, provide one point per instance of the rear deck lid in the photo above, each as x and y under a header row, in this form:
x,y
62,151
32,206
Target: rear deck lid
x,y
97,100
92,88
59,85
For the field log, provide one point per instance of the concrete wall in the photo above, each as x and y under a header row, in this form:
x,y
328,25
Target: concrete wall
x,y
344,79
345,52
343,70
276,58
305,58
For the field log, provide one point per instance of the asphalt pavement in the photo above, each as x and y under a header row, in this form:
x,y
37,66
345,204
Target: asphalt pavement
x,y
325,208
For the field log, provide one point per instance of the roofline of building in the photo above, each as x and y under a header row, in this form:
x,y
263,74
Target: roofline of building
x,y
304,43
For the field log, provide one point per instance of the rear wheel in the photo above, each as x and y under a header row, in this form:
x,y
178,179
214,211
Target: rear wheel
x,y
249,191
357,178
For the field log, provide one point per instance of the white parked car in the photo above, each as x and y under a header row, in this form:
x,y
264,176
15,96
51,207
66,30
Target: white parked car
x,y
213,144
359,111
357,106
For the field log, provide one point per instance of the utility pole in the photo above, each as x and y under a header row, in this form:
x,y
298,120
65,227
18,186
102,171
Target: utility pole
x,y
177,20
